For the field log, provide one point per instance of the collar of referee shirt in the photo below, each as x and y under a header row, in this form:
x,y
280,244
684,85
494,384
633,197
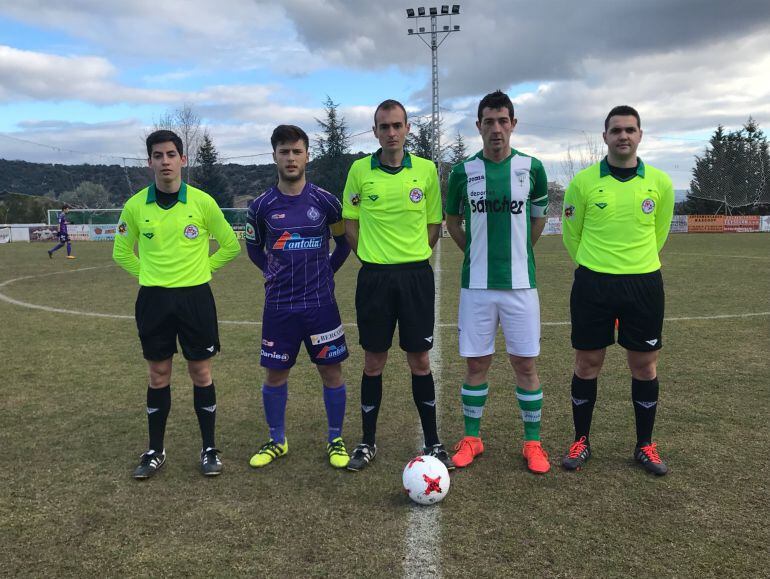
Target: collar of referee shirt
x,y
604,168
405,162
152,195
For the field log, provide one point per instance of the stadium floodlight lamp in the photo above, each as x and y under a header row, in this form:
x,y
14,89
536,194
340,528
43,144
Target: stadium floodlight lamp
x,y
444,9
421,11
422,29
433,11
410,31
446,28
455,8
410,12
457,27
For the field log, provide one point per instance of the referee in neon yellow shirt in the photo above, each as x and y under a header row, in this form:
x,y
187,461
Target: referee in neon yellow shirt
x,y
392,211
171,221
616,218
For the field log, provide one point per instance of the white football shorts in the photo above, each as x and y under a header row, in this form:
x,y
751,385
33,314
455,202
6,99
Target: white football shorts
x,y
516,310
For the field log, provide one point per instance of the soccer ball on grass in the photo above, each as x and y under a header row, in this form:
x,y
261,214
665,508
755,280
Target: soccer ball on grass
x,y
426,480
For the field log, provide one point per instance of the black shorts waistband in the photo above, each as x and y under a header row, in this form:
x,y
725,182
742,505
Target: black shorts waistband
x,y
396,266
655,273
180,289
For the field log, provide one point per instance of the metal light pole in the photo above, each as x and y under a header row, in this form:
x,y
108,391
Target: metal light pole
x,y
435,42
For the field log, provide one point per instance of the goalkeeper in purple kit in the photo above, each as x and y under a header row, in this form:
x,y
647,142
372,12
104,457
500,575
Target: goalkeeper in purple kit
x,y
287,237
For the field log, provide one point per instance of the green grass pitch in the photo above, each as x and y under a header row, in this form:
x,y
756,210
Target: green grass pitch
x,y
73,426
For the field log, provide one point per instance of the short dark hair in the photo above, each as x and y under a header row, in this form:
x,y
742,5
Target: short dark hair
x,y
164,136
65,207
622,111
496,100
288,134
387,105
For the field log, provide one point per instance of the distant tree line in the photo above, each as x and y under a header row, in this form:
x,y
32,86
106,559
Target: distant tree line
x,y
731,176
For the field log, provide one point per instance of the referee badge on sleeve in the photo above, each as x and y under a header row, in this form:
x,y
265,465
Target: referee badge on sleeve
x,y
122,228
569,211
250,233
355,199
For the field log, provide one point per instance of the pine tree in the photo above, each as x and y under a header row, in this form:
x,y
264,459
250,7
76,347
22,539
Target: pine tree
x,y
330,167
733,173
208,174
459,152
420,139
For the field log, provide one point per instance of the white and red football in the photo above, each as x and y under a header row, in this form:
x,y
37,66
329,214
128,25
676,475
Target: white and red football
x,y
426,480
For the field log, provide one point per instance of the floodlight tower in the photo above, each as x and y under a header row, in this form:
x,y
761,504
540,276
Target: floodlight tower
x,y
435,42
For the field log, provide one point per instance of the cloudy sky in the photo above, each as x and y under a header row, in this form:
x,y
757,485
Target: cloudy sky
x,y
86,78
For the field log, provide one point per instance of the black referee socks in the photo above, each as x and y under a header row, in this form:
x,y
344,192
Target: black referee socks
x,y
158,407
644,393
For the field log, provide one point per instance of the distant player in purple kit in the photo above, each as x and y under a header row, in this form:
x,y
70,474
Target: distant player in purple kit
x,y
63,235
287,237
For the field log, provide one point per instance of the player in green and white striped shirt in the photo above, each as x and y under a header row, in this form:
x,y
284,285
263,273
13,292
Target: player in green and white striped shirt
x,y
502,194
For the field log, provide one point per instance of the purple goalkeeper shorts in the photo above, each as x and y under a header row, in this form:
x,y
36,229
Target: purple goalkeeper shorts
x,y
319,328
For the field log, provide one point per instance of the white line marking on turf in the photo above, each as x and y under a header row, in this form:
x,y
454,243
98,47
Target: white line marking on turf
x,y
720,255
15,302
423,531
54,310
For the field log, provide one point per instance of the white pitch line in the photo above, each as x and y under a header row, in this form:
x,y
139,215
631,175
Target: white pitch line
x,y
54,310
423,532
720,255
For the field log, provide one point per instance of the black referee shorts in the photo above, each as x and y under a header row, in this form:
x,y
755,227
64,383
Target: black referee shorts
x,y
189,313
635,300
388,294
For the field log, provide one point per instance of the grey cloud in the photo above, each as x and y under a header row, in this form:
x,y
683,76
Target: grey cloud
x,y
515,42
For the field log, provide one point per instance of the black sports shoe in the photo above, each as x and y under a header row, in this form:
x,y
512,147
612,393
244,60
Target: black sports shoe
x,y
149,464
210,463
50,255
362,455
647,456
577,455
438,451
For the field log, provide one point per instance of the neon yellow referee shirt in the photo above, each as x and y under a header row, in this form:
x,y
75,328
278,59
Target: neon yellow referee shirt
x,y
618,227
173,243
393,210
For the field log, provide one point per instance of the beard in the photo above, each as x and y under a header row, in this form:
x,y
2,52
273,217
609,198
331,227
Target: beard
x,y
291,178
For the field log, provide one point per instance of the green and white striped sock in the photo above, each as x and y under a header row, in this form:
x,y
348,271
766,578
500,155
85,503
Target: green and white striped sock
x,y
474,398
531,404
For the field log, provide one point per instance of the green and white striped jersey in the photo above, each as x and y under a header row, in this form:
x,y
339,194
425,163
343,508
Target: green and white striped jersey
x,y
498,200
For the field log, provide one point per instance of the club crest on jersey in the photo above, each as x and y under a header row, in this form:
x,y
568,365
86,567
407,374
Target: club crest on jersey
x,y
569,212
355,199
122,228
648,206
250,233
415,195
191,231
294,241
522,175
313,214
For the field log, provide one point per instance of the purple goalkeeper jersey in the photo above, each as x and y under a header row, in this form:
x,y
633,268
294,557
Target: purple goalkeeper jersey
x,y
294,232
62,222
